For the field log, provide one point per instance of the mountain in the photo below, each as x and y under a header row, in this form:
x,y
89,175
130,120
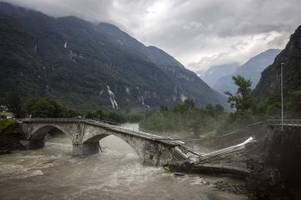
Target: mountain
x,y
215,72
187,83
162,59
87,66
269,84
251,70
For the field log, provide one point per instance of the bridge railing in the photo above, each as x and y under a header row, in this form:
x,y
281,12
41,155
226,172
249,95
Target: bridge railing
x,y
51,120
286,122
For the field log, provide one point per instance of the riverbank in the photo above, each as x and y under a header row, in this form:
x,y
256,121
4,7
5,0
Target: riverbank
x,y
11,137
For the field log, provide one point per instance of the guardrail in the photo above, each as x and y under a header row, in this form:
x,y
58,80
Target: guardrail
x,y
286,122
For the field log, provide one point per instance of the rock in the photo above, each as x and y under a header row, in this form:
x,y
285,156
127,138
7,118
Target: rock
x,y
269,85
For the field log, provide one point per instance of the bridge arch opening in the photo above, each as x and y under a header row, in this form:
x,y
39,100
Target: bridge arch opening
x,y
114,145
49,134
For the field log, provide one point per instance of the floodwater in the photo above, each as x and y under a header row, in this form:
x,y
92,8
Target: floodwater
x,y
114,174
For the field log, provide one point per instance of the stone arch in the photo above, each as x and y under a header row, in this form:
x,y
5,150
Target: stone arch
x,y
132,142
87,134
38,134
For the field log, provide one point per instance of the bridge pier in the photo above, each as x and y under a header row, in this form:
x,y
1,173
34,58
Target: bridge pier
x,y
80,150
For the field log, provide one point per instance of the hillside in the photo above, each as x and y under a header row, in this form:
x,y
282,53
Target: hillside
x,y
269,84
87,66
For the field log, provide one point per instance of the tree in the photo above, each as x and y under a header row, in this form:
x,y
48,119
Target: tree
x,y
270,106
99,115
115,117
219,109
44,107
163,109
15,105
294,104
186,106
242,101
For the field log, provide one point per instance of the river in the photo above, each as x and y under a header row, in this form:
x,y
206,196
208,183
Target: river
x,y
114,173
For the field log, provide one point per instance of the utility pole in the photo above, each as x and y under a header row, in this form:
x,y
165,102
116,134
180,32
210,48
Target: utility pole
x,y
281,84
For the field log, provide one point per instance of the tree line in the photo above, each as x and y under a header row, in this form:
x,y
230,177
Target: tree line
x,y
48,108
248,109
184,117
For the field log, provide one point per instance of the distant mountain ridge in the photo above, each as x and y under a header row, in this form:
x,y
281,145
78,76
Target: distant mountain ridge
x,y
88,66
251,70
215,72
269,84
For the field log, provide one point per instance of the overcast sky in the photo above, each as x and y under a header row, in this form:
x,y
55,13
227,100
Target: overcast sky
x,y
199,33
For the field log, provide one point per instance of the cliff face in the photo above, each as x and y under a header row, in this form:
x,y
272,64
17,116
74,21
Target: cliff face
x,y
269,84
86,66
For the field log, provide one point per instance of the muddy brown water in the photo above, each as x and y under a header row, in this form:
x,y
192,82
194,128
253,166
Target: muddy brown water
x,y
115,173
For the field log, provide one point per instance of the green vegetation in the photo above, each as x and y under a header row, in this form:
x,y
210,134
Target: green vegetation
x,y
44,107
248,111
294,105
115,117
189,119
185,118
271,106
243,104
14,104
5,123
243,101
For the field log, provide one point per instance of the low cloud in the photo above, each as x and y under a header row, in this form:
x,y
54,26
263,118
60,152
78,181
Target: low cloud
x,y
199,33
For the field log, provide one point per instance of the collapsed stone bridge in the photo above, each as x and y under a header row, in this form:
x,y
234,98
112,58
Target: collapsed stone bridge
x,y
86,134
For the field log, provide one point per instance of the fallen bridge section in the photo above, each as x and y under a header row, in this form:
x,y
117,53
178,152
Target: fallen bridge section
x,y
204,164
211,169
222,153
